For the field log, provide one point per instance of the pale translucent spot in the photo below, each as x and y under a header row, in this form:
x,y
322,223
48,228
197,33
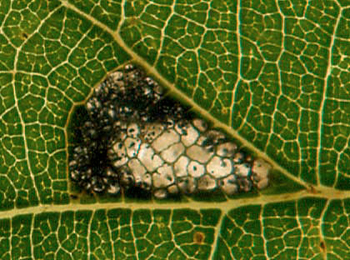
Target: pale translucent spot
x,y
158,180
122,136
90,106
111,173
260,172
112,113
148,158
206,183
122,126
200,124
189,134
137,169
97,103
199,154
226,149
166,139
119,149
242,170
75,175
113,188
229,185
147,181
195,169
219,167
126,177
170,123
180,167
171,154
173,189
119,154
263,184
160,194
115,76
261,168
239,158
105,180
156,87
181,127
72,163
132,146
202,140
187,185
133,130
164,177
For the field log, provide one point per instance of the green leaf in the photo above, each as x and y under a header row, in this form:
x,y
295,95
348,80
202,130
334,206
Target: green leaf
x,y
273,74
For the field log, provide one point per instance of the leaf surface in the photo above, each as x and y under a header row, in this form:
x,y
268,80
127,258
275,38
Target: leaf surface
x,y
274,75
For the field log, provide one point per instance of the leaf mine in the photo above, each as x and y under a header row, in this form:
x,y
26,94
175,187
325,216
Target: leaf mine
x,y
137,137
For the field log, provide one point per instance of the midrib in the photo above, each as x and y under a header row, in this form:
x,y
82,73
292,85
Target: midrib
x,y
196,205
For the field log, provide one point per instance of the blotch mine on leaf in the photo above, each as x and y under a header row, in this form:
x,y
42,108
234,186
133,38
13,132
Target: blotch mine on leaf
x,y
137,138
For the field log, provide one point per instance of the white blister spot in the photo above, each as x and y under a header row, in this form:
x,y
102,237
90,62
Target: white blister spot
x,y
171,154
200,124
113,189
164,177
260,172
202,140
219,167
116,76
160,194
189,134
147,181
132,146
206,183
137,169
167,138
198,153
239,157
120,154
243,170
261,168
133,130
229,185
180,166
195,169
148,158
226,149
173,189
